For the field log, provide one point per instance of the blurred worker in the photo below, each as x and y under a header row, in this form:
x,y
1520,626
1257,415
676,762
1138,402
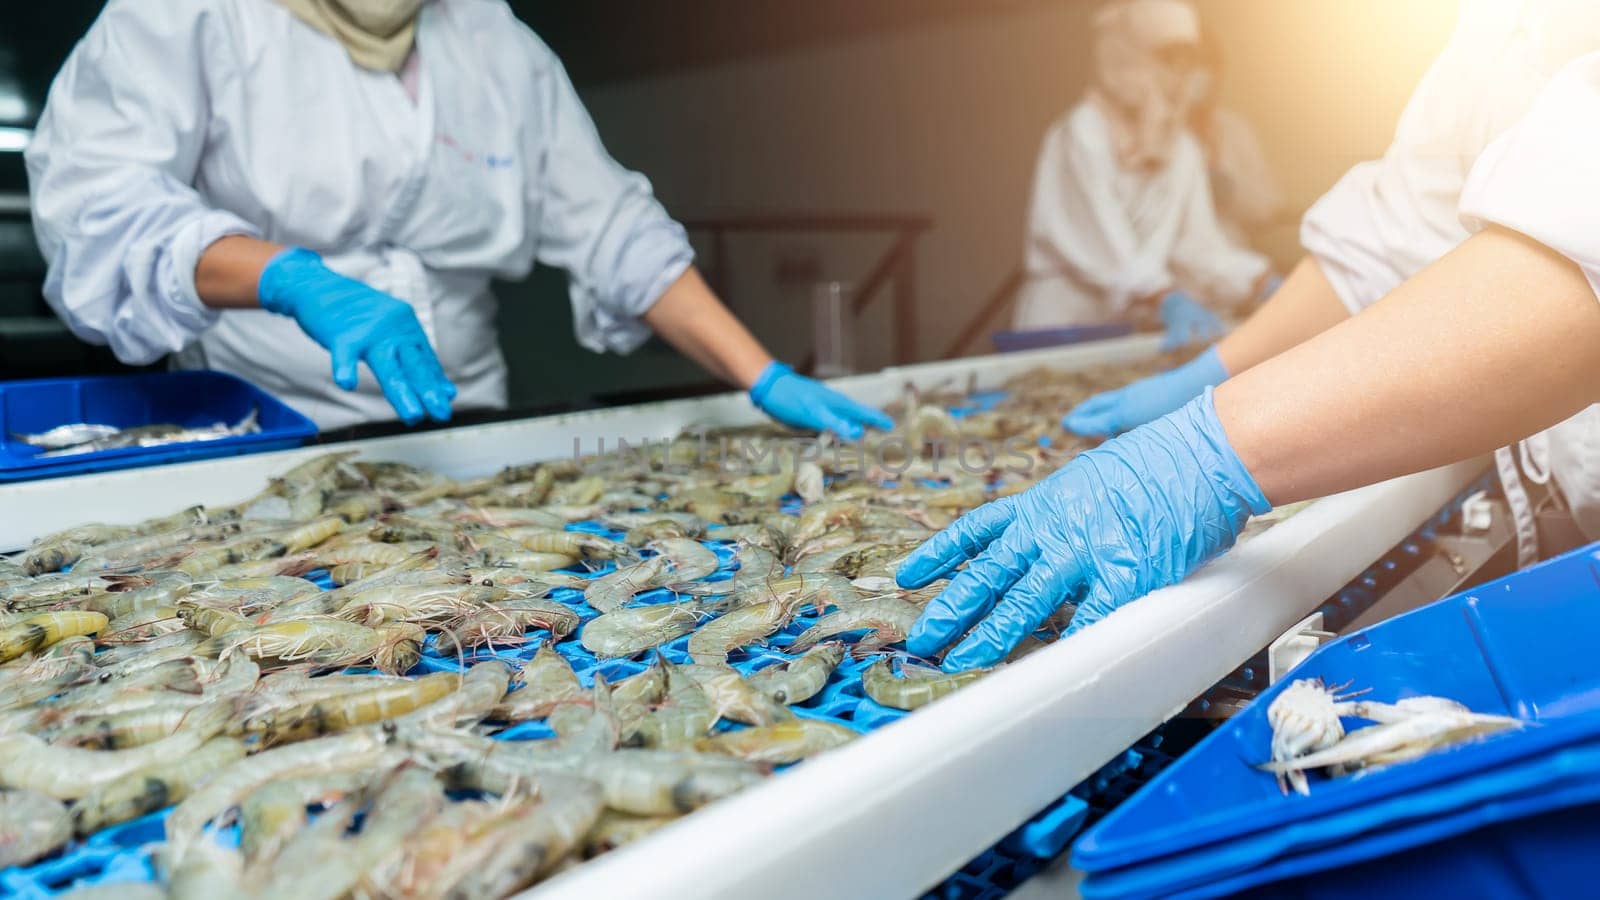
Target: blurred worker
x,y
1243,189
1495,340
1121,225
258,185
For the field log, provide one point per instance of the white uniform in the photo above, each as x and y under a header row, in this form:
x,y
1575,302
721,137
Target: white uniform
x,y
1101,235
1388,219
1243,189
177,122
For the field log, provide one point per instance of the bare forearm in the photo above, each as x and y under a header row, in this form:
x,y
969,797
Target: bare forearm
x,y
1494,342
1303,307
691,318
229,271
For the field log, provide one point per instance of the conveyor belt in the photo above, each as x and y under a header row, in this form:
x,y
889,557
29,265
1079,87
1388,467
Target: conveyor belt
x,y
983,760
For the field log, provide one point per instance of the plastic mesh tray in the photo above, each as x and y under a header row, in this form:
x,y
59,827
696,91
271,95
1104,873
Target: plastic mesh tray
x,y
122,853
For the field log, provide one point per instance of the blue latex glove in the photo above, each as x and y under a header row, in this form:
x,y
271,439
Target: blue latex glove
x,y
357,323
1187,322
802,402
1135,514
1147,399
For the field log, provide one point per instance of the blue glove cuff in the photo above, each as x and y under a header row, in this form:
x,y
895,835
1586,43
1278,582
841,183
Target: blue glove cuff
x,y
1207,368
764,382
289,266
1236,487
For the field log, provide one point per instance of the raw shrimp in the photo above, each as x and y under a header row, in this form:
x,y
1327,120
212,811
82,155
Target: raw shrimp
x,y
321,863
167,590
888,618
70,772
152,787
617,829
327,715
683,717
641,782
417,603
710,645
509,517
571,543
482,688
547,682
734,698
31,825
917,689
690,560
40,631
798,680
781,742
325,641
758,567
527,841
275,812
506,623
358,750
635,629
613,591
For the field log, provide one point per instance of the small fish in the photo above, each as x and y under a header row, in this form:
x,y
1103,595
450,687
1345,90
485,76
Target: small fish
x,y
156,436
66,435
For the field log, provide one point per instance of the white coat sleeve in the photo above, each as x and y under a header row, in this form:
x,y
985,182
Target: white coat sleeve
x,y
1542,177
1204,260
600,222
1076,224
110,170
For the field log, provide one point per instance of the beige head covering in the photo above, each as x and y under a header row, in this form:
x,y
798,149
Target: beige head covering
x,y
1146,101
378,34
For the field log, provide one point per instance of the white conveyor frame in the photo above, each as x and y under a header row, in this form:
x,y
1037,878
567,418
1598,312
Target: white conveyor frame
x,y
894,813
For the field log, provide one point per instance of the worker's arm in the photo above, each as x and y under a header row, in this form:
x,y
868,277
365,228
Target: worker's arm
x,y
229,271
354,322
1304,306
1499,339
691,318
1496,341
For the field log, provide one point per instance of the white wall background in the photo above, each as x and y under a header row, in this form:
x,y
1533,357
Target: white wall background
x,y
947,119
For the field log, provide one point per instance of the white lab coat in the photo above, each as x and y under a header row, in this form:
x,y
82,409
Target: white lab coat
x,y
1243,189
1449,166
1101,236
177,122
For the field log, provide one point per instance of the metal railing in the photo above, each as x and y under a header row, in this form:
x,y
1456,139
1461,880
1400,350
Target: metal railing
x,y
895,271
979,323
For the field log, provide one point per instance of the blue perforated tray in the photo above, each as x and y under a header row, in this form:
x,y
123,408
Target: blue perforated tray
x,y
1522,646
191,399
121,853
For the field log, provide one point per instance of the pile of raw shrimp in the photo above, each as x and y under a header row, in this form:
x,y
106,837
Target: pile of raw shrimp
x,y
322,669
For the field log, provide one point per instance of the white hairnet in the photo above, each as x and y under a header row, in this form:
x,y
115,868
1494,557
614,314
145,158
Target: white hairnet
x,y
1146,100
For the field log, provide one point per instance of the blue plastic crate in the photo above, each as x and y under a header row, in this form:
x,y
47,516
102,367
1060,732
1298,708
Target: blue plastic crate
x,y
1518,646
1037,339
191,399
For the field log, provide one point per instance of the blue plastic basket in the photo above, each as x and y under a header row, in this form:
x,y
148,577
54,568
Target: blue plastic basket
x,y
1036,339
191,399
1520,646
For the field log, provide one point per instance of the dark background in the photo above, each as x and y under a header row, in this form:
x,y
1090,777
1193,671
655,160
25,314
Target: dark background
x,y
839,107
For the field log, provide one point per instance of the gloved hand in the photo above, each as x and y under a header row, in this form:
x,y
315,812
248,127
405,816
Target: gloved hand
x,y
357,323
1135,514
1187,322
801,402
1147,399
